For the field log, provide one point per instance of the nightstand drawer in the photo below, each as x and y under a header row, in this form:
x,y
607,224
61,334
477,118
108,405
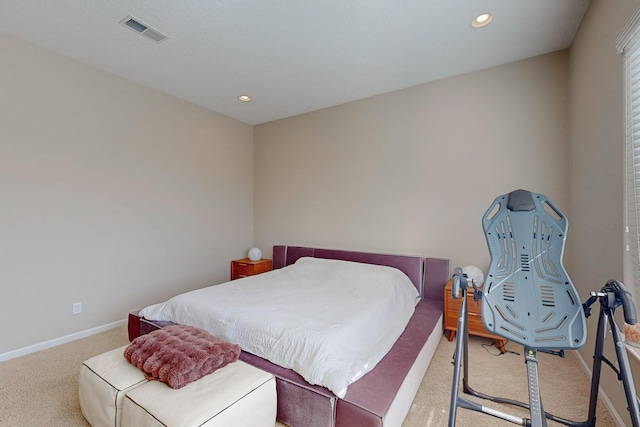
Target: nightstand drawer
x,y
245,267
451,320
242,269
454,304
474,324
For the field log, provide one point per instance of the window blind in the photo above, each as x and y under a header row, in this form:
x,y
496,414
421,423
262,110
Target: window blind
x,y
628,42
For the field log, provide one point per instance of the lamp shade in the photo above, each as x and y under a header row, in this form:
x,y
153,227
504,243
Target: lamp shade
x,y
255,254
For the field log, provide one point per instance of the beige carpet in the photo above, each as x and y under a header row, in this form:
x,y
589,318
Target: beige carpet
x,y
40,389
564,387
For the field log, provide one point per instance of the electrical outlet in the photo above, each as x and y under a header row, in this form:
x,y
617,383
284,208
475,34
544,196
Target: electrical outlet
x,y
77,308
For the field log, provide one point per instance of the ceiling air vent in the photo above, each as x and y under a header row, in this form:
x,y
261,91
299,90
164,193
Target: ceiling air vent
x,y
142,28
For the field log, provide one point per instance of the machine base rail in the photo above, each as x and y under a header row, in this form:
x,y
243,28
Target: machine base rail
x,y
608,305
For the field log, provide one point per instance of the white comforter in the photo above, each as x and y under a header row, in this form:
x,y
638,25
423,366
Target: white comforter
x,y
330,321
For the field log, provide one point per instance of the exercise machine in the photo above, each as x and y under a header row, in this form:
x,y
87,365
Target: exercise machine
x,y
529,299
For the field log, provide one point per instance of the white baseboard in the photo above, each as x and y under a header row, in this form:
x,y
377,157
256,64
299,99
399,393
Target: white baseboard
x,y
601,394
62,340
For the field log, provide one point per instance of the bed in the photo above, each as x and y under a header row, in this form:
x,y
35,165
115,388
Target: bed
x,y
383,396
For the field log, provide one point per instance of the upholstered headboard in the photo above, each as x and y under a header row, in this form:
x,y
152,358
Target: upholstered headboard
x,y
429,275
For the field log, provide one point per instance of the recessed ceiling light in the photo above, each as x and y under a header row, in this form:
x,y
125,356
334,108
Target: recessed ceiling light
x,y
244,98
481,20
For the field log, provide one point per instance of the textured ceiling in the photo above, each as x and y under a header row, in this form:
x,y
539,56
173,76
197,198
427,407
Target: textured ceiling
x,y
292,56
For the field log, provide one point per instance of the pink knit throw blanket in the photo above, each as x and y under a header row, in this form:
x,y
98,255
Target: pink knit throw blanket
x,y
179,354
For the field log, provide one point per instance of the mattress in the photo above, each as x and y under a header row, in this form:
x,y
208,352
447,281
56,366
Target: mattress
x,y
331,321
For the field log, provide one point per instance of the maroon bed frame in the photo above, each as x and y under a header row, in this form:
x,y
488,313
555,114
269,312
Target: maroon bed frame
x,y
368,400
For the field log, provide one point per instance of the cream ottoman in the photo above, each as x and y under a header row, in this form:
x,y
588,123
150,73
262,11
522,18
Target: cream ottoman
x,y
103,382
237,395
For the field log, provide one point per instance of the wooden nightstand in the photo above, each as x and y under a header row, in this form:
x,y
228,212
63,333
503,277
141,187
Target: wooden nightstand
x,y
245,267
451,310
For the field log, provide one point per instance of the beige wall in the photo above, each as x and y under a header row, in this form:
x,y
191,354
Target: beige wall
x,y
414,171
111,194
597,161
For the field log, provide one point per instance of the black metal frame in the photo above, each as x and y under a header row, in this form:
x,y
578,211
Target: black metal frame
x,y
611,296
